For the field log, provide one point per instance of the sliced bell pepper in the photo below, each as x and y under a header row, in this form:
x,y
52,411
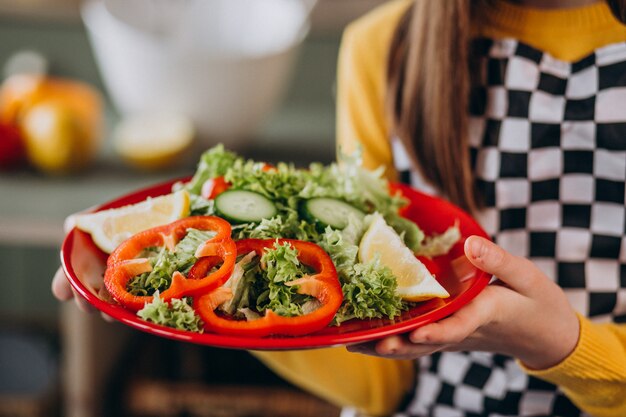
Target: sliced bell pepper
x,y
123,264
214,187
268,168
202,267
323,285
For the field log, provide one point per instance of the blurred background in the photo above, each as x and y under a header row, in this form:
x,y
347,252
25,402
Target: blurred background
x,y
101,97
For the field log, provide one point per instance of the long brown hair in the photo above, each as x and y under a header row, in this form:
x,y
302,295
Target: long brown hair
x,y
428,90
429,82
618,7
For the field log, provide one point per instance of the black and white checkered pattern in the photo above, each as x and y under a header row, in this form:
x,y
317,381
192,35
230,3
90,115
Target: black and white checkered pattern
x,y
548,142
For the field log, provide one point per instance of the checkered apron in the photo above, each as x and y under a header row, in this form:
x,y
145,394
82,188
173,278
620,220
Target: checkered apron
x,y
548,146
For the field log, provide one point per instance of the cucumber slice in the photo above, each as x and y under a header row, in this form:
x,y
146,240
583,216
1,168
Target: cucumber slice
x,y
241,206
327,211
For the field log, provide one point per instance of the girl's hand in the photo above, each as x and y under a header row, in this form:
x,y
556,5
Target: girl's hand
x,y
524,315
61,288
63,291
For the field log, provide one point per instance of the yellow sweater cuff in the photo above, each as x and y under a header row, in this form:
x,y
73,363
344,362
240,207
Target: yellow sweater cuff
x,y
594,374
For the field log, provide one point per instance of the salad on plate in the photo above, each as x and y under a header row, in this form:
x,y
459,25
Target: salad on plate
x,y
248,248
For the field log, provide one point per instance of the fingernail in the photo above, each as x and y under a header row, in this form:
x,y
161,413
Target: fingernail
x,y
475,247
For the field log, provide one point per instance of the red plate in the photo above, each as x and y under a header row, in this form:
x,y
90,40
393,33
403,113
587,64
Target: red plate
x,y
84,265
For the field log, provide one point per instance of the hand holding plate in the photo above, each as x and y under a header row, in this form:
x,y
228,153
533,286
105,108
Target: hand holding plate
x,y
518,316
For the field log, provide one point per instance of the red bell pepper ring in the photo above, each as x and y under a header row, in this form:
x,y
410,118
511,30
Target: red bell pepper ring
x,y
202,267
323,285
123,264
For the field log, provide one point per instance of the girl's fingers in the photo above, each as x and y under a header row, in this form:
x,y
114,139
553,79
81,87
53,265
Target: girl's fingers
x,y
391,345
399,347
63,291
394,347
453,330
459,326
367,348
82,304
61,287
107,318
519,273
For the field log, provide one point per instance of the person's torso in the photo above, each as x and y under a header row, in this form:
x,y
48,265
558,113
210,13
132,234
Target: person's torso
x,y
548,146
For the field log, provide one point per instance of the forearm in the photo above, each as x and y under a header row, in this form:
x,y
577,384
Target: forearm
x,y
594,375
373,385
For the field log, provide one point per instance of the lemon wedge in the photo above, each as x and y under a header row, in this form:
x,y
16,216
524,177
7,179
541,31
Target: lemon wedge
x,y
109,228
153,141
415,282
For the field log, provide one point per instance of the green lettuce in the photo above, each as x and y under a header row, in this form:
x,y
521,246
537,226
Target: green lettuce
x,y
369,293
213,163
259,284
242,283
288,226
440,244
178,314
165,263
281,265
287,186
368,289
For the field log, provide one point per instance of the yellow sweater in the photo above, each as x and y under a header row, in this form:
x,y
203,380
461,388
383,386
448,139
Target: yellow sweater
x,y
594,375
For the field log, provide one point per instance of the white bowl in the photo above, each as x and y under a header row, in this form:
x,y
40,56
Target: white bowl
x,y
224,63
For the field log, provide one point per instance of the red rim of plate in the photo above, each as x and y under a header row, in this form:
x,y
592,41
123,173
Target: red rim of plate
x,y
324,338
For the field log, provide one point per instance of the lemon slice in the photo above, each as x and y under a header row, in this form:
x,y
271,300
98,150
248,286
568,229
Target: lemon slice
x,y
109,228
415,282
153,141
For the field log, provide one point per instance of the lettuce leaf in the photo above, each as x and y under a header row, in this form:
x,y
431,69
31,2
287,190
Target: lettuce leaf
x,y
440,244
287,185
178,314
213,163
259,284
241,282
165,263
369,292
281,265
287,225
369,289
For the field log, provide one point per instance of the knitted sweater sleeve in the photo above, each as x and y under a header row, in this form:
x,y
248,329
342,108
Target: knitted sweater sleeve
x,y
593,376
